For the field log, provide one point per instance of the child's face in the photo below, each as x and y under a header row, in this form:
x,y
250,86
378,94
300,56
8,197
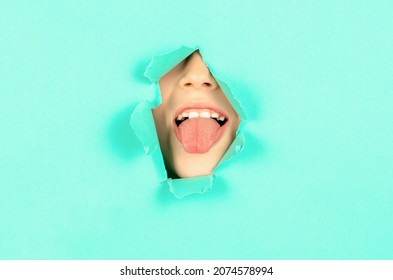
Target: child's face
x,y
195,122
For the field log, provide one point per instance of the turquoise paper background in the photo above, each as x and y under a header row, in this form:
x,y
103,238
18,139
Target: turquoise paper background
x,y
315,179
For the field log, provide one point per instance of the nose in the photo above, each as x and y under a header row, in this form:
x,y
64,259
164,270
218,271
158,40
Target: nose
x,y
196,75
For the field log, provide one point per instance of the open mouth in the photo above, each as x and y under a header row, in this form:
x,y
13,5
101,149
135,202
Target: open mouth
x,y
199,129
220,119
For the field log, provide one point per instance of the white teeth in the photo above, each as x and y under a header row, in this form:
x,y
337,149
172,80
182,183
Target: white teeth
x,y
215,115
193,115
200,114
182,116
205,115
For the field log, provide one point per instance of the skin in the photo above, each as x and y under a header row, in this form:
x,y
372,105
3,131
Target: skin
x,y
191,85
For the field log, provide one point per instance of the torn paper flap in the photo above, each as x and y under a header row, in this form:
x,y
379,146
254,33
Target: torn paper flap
x,y
186,186
162,64
142,123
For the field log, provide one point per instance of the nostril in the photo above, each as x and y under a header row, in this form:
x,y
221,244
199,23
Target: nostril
x,y
205,85
197,82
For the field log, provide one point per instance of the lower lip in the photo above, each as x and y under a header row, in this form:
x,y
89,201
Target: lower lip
x,y
218,136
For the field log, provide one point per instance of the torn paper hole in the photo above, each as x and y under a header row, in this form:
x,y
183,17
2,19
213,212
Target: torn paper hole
x,y
194,119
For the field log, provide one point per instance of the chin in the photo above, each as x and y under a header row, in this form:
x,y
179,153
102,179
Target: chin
x,y
185,165
193,166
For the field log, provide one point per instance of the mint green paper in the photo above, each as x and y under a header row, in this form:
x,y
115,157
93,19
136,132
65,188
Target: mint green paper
x,y
186,186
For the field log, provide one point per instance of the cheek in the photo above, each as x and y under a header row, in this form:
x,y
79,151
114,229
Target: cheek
x,y
167,98
166,87
157,114
164,83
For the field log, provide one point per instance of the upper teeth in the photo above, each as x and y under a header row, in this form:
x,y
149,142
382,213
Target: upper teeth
x,y
192,115
200,114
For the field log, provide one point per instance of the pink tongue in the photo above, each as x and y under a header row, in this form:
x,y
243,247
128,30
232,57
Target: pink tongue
x,y
198,135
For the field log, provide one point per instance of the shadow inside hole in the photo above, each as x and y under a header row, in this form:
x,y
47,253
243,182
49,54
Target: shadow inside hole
x,y
122,139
